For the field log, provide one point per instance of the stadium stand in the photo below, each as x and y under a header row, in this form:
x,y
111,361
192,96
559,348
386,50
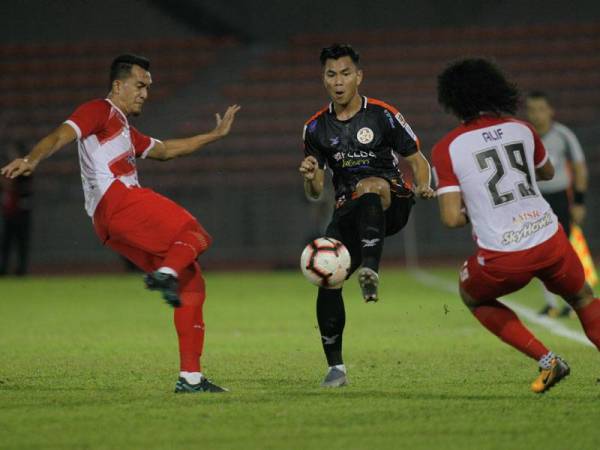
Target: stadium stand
x,y
42,83
279,87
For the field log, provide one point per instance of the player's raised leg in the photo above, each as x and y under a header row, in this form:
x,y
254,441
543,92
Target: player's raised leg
x,y
374,198
158,226
188,244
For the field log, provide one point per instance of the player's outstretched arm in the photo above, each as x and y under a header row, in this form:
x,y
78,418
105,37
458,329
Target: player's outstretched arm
x,y
313,177
452,211
174,148
56,140
422,175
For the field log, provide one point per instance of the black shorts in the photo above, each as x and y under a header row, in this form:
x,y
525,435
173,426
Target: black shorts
x,y
344,224
559,201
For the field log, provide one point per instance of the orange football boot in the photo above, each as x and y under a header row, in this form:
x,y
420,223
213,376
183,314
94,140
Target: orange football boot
x,y
547,378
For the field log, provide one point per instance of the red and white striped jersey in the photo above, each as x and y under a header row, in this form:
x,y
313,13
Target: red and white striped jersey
x,y
108,146
492,162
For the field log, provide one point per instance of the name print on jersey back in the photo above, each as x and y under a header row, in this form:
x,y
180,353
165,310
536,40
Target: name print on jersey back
x,y
492,162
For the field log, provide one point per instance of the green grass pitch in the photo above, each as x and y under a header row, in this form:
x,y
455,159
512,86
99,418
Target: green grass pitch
x,y
91,363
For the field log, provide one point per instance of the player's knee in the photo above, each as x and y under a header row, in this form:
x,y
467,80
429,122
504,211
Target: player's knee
x,y
205,239
375,185
469,301
200,237
582,298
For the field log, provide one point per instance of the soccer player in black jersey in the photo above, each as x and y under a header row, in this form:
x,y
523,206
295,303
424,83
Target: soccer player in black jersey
x,y
358,140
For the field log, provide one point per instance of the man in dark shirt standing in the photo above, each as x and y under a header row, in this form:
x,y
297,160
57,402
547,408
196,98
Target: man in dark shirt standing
x,y
358,139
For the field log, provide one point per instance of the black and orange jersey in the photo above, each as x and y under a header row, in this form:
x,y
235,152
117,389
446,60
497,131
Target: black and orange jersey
x,y
364,146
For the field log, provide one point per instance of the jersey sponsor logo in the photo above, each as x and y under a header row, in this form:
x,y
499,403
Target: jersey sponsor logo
x,y
355,163
400,118
365,135
528,215
514,237
360,154
357,158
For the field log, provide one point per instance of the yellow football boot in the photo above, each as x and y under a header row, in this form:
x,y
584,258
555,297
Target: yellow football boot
x,y
547,378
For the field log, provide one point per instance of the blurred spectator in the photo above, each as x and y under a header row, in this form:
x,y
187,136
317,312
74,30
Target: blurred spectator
x,y
16,214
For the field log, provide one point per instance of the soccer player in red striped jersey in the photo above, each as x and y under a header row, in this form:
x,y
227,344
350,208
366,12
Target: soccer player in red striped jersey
x,y
486,172
359,140
154,233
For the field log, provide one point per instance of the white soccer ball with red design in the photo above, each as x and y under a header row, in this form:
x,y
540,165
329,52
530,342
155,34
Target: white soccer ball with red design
x,y
325,262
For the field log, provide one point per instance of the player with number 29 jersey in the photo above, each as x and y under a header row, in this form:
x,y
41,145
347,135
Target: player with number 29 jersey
x,y
492,162
486,174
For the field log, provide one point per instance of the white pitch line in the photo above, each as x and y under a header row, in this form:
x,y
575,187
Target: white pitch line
x,y
552,325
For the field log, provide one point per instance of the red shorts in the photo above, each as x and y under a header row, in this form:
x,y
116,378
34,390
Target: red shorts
x,y
139,224
488,275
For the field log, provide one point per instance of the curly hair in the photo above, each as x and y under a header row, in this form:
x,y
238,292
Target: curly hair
x,y
471,86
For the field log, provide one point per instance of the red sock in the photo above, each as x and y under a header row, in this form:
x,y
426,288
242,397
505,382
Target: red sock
x,y
187,246
589,316
189,321
505,324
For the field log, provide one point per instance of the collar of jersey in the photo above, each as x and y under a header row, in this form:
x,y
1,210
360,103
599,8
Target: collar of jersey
x,y
117,108
365,101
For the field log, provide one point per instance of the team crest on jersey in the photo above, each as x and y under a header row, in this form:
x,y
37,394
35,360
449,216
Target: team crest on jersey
x,y
365,135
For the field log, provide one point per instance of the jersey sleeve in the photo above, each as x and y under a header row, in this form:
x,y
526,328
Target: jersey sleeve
x,y
310,147
575,153
142,144
401,136
89,118
444,177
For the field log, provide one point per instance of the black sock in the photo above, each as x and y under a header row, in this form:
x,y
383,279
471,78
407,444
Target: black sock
x,y
371,229
332,318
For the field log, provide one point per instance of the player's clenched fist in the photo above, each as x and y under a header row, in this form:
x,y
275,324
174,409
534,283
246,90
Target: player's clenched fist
x,y
424,191
308,167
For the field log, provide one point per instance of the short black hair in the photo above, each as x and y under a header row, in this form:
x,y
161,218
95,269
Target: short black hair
x,y
337,51
471,86
122,64
538,95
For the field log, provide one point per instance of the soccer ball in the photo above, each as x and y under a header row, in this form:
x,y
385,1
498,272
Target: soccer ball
x,y
325,262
